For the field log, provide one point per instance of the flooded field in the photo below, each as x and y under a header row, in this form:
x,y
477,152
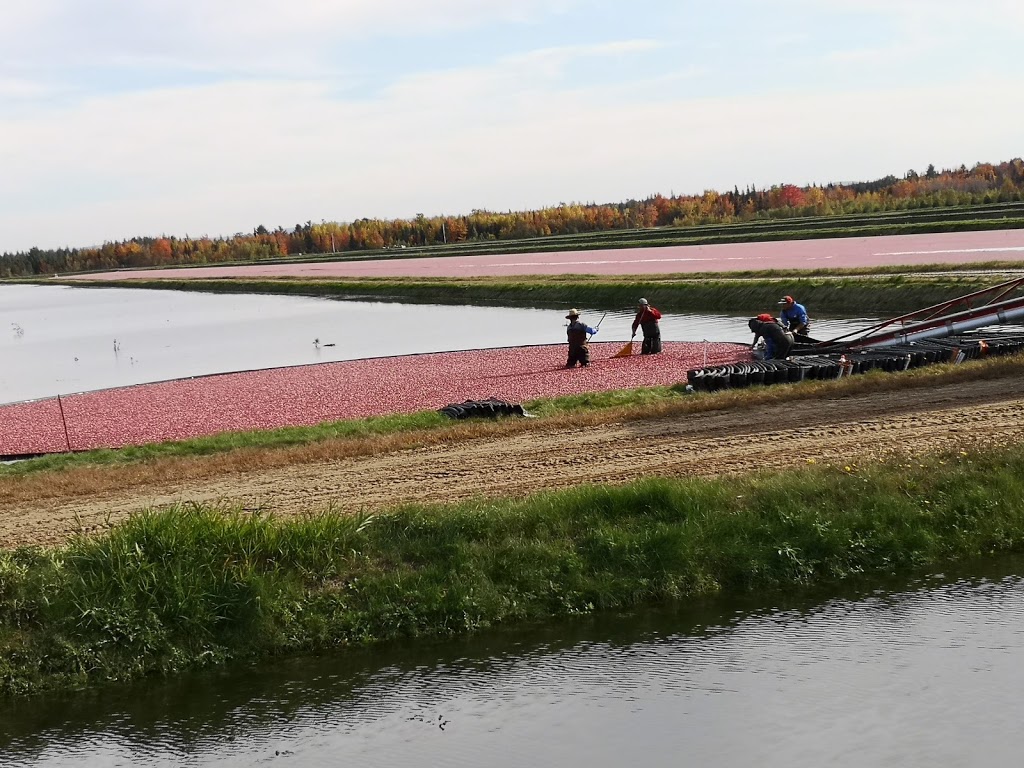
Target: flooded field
x,y
58,340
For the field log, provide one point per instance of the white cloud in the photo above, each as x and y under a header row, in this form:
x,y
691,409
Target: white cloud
x,y
20,88
225,158
285,143
567,53
861,55
951,18
268,37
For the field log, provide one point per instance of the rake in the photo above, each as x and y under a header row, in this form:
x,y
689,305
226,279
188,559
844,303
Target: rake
x,y
626,351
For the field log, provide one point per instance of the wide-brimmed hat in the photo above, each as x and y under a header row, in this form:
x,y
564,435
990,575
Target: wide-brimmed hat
x,y
572,313
786,300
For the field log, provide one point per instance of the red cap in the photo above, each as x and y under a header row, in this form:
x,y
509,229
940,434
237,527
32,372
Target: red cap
x,y
787,300
764,317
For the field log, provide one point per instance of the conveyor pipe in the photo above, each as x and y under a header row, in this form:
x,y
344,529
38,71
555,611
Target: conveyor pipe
x,y
961,322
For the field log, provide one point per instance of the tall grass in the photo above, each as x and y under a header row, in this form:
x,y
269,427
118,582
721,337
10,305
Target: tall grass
x,y
197,585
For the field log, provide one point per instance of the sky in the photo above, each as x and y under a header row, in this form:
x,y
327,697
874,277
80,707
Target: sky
x,y
123,118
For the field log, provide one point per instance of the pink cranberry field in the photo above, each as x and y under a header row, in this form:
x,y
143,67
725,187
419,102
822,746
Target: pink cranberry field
x,y
312,394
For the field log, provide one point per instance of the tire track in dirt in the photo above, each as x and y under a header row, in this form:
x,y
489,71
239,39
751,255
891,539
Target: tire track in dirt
x,y
836,430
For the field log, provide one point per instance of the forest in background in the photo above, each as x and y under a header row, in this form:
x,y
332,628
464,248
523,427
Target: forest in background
x,y
982,184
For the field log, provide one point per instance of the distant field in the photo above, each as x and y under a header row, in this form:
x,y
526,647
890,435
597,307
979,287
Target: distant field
x,y
1006,245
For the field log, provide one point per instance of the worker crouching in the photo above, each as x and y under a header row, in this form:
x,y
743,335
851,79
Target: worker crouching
x,y
578,334
778,342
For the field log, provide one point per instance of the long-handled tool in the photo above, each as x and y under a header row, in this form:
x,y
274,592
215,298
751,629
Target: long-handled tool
x,y
596,327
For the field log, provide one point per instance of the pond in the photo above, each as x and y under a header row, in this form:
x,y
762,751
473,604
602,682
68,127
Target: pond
x,y
919,671
57,340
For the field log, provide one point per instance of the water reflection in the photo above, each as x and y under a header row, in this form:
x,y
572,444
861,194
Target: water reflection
x,y
921,672
59,340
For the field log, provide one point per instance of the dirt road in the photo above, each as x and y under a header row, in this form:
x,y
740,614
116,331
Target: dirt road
x,y
840,430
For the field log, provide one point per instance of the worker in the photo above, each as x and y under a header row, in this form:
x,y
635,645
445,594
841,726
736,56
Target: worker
x,y
794,316
579,334
778,342
647,318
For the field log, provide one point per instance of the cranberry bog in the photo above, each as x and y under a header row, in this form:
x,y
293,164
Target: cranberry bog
x,y
312,394
830,253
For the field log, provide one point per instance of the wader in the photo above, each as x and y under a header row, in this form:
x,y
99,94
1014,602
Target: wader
x,y
652,338
579,351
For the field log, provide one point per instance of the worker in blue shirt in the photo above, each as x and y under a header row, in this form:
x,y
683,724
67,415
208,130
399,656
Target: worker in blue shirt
x,y
794,317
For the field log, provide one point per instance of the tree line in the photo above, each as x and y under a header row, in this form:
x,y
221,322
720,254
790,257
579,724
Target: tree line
x,y
981,184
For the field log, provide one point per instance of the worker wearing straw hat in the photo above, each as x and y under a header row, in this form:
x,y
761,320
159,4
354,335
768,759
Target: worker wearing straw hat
x,y
578,334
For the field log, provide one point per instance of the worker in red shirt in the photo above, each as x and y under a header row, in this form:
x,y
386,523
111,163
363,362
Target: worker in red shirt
x,y
647,318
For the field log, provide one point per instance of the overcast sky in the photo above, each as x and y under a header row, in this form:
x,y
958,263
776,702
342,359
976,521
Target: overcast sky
x,y
209,117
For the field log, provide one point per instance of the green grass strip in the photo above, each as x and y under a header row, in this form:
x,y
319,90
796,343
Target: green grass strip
x,y
196,586
225,442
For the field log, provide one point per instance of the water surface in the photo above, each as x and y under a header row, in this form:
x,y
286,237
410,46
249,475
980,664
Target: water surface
x,y
920,672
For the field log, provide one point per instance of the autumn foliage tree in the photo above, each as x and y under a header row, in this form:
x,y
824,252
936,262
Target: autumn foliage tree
x,y
984,183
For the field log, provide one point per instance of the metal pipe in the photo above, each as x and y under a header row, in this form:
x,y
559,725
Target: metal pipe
x,y
929,313
994,314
